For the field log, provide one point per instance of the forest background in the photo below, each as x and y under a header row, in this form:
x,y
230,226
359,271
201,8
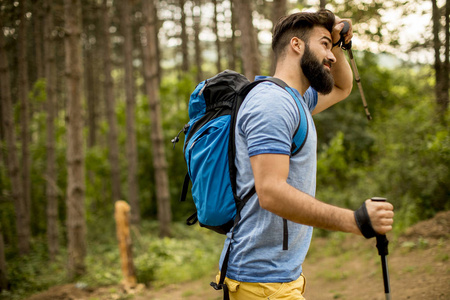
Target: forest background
x,y
92,92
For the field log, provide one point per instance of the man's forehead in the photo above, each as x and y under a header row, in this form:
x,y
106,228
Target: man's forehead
x,y
319,32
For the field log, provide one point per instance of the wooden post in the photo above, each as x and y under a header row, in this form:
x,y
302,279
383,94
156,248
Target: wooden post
x,y
122,216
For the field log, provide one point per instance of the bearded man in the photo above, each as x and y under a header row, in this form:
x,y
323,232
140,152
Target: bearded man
x,y
283,211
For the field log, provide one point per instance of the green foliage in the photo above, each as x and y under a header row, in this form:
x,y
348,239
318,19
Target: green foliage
x,y
32,273
192,253
403,153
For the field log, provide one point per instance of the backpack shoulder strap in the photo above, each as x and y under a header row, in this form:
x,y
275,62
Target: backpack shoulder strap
x,y
301,133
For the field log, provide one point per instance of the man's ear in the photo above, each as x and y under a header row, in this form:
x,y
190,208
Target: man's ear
x,y
297,45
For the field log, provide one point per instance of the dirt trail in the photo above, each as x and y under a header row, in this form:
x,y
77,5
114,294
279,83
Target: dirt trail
x,y
349,268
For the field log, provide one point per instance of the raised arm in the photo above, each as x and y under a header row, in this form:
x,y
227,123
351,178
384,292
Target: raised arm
x,y
341,71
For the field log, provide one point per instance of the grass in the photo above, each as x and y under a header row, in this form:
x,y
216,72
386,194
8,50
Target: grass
x,y
191,253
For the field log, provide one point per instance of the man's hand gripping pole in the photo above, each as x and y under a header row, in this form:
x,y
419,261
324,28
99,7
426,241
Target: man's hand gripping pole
x,y
365,226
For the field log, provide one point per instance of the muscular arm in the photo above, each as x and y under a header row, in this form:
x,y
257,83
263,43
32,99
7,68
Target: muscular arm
x,y
277,196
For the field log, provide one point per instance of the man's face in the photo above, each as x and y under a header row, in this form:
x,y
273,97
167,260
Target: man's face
x,y
317,60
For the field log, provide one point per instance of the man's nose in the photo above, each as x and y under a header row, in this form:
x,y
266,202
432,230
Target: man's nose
x,y
331,57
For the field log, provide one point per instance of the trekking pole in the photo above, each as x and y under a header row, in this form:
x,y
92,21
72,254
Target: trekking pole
x,y
341,43
382,246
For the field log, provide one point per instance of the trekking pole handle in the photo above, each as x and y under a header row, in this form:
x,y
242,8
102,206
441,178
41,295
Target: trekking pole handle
x,y
382,241
342,43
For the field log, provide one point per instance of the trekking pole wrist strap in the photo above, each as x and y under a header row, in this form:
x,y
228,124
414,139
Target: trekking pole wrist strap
x,y
363,221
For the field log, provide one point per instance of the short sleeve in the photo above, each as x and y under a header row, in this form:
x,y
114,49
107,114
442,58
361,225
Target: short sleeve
x,y
268,119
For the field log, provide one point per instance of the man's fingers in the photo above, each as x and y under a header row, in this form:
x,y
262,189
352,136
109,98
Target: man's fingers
x,y
381,215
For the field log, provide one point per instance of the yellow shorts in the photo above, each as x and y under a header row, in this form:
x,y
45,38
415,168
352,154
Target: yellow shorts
x,y
270,291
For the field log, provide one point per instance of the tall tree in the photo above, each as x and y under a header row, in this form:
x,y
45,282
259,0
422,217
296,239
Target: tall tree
x,y
131,147
250,52
3,278
446,68
113,145
152,88
216,33
38,37
232,52
196,13
76,223
24,108
184,38
89,23
51,175
279,10
11,158
441,72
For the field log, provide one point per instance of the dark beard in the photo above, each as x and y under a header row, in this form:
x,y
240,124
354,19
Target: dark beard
x,y
319,78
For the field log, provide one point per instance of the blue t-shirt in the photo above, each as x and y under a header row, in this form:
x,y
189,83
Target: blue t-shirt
x,y
266,123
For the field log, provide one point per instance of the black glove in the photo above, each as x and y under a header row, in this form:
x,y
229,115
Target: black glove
x,y
363,221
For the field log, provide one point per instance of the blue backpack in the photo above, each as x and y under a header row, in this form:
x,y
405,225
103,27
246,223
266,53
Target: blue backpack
x,y
209,148
209,151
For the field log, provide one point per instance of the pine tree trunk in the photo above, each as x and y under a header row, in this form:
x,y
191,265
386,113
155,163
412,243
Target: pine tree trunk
x,y
38,37
196,13
76,223
446,68
250,52
152,88
113,145
3,278
216,33
184,39
90,82
24,110
90,97
232,51
279,10
11,159
131,147
441,87
51,175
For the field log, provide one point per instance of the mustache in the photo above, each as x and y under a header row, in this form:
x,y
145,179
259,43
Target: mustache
x,y
327,62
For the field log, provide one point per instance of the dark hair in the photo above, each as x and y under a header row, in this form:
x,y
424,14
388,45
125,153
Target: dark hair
x,y
299,25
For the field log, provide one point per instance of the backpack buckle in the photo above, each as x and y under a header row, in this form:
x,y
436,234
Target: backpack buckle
x,y
177,138
216,286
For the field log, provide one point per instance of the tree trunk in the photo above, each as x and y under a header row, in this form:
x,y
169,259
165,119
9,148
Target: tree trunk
x,y
24,109
90,96
323,3
89,13
446,68
11,159
250,53
113,145
279,10
441,87
3,278
216,33
131,147
51,175
76,223
152,88
184,39
196,13
232,52
38,37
